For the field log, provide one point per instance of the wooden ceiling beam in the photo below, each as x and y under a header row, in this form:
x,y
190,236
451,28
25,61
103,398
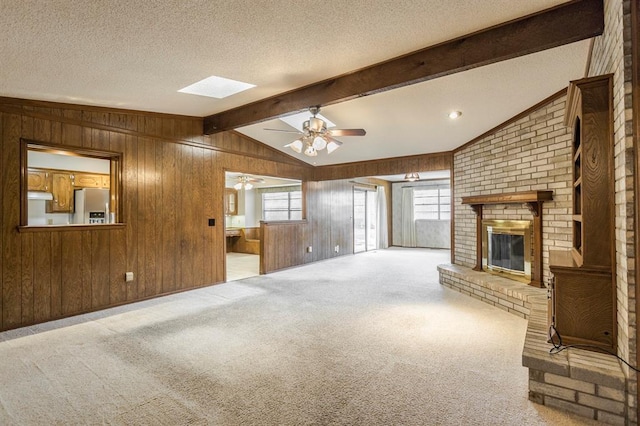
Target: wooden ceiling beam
x,y
557,26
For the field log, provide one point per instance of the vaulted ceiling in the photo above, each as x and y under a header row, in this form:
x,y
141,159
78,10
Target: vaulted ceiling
x,y
137,55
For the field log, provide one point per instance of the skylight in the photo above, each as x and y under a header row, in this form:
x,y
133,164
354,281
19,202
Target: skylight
x,y
296,120
216,87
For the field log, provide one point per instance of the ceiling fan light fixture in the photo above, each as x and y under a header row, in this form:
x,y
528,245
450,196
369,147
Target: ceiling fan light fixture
x,y
333,145
315,135
295,145
310,151
238,186
319,143
248,186
315,125
412,177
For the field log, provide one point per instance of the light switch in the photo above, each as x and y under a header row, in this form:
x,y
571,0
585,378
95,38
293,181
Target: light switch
x,y
128,276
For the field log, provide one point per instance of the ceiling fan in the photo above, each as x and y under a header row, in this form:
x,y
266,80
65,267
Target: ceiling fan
x,y
246,182
315,136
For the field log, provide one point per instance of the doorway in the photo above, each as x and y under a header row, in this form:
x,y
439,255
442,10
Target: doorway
x,y
248,200
365,233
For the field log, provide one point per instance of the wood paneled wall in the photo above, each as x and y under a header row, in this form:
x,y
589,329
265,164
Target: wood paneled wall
x,y
386,166
328,223
293,236
173,182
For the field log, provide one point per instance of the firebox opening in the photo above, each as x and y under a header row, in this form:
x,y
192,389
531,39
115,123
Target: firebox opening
x,y
506,248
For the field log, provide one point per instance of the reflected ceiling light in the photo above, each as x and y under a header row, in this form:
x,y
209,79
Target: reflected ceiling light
x,y
412,177
455,114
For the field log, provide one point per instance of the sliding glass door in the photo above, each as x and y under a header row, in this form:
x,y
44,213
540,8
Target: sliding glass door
x,y
364,220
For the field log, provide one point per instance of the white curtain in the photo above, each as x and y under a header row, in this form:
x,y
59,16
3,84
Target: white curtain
x,y
383,233
408,224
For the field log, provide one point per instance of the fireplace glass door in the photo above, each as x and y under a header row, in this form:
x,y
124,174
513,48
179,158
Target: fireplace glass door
x,y
506,248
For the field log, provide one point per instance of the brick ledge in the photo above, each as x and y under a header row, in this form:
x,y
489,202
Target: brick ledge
x,y
583,382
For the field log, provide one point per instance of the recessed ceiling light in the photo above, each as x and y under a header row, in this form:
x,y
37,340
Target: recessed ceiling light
x,y
455,114
216,87
296,120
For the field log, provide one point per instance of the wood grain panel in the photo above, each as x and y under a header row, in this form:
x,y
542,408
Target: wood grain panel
x,y
71,245
187,193
2,195
100,266
208,257
42,277
56,275
117,267
387,166
148,243
131,209
275,236
168,214
87,298
199,216
27,279
11,253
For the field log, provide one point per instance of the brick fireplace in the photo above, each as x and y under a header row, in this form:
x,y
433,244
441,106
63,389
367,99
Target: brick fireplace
x,y
533,200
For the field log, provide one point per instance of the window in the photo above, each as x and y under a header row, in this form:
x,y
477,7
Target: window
x,y
69,186
433,203
282,205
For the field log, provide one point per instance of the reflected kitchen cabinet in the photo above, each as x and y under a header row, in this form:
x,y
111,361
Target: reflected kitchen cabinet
x,y
38,180
62,185
230,201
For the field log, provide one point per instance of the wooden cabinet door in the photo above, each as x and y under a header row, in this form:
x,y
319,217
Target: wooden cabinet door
x,y
584,307
91,180
62,189
38,180
86,180
230,201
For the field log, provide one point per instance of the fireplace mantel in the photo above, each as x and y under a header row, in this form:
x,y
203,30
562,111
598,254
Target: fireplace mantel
x,y
533,200
509,198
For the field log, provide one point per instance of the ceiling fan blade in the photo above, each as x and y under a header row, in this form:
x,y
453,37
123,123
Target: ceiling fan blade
x,y
284,131
347,132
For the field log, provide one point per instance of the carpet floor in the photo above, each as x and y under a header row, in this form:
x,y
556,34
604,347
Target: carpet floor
x,y
369,339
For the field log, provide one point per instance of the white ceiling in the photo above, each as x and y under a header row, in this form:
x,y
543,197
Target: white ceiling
x,y
136,55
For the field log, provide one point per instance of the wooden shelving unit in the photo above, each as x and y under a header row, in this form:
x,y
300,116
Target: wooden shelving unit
x,y
583,296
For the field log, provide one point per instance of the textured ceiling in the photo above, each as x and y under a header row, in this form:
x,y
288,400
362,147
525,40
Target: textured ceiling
x,y
137,54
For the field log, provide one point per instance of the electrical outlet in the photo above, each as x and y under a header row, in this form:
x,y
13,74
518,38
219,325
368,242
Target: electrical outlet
x,y
128,276
309,249
337,248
